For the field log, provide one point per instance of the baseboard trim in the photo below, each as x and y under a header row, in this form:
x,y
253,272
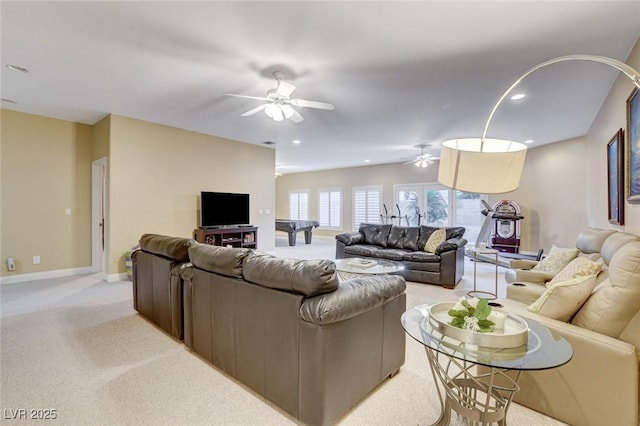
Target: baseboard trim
x,y
112,278
11,279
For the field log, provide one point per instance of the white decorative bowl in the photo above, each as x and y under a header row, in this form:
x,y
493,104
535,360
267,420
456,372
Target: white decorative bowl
x,y
515,331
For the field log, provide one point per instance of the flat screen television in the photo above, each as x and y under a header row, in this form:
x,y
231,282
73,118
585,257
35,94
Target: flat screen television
x,y
219,209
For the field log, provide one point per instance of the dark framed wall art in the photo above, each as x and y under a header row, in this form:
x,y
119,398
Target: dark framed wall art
x,y
633,148
615,178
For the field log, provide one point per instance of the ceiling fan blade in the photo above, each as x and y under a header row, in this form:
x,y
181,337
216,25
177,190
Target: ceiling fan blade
x,y
296,117
285,89
255,110
246,97
311,104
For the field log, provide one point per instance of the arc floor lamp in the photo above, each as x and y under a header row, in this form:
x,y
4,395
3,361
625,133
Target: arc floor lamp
x,y
494,166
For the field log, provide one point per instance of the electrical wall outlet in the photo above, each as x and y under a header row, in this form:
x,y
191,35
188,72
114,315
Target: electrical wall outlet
x,y
11,264
36,260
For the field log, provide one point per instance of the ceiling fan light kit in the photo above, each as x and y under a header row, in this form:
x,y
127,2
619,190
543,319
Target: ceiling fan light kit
x,y
280,106
494,166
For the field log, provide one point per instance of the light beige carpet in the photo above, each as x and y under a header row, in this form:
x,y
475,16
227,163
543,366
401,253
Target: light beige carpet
x,y
75,345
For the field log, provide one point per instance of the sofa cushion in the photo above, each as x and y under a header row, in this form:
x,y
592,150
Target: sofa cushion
x,y
581,266
613,243
362,250
421,256
435,239
425,233
375,234
557,259
390,254
220,260
352,298
307,277
455,232
350,238
590,240
563,299
175,248
617,300
404,237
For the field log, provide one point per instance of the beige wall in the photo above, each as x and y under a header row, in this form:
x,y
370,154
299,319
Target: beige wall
x,y
46,169
156,175
612,116
552,195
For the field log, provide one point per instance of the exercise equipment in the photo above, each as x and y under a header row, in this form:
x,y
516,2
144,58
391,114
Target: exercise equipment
x,y
386,218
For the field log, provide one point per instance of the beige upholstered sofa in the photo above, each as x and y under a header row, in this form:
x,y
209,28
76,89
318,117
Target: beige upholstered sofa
x,y
290,331
599,386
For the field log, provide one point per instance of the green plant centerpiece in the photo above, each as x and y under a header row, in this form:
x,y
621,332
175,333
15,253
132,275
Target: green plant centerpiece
x,y
472,314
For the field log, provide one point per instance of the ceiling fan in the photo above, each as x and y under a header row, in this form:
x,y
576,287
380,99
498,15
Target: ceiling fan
x,y
423,160
280,104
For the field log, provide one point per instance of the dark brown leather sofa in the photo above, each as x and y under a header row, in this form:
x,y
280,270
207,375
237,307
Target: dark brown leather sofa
x,y
405,245
157,283
290,331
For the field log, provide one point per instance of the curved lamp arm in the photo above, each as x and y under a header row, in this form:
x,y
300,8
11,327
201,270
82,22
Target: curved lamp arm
x,y
620,66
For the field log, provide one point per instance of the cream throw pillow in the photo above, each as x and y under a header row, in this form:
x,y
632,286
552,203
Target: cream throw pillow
x,y
438,237
563,299
557,259
581,266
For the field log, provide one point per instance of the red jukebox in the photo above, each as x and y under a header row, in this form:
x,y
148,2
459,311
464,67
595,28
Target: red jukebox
x,y
505,236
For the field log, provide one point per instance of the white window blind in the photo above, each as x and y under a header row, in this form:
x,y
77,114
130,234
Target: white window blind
x,y
366,205
330,208
299,205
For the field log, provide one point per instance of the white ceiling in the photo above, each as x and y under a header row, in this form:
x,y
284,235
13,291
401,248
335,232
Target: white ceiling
x,y
398,73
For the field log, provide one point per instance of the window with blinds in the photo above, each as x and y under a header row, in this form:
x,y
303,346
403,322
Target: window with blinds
x,y
299,205
367,202
330,208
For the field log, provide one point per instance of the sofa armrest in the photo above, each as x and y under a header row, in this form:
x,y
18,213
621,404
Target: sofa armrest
x,y
527,276
450,244
598,386
522,263
350,238
352,298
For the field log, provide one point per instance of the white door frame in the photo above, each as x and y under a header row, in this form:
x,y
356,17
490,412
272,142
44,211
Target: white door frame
x,y
98,204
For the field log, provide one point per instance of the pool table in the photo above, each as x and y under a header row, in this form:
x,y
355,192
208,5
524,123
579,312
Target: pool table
x,y
292,227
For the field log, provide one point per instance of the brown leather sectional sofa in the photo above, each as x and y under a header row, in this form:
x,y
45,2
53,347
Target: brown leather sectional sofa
x,y
405,245
286,328
157,280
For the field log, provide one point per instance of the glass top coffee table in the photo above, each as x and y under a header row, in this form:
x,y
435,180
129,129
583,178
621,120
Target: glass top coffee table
x,y
354,267
482,394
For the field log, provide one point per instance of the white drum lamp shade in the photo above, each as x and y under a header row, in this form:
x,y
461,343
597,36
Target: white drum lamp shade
x,y
492,166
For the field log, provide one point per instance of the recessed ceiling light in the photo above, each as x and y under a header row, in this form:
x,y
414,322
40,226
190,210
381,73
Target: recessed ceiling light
x,y
9,101
296,142
528,141
518,96
269,143
367,161
17,68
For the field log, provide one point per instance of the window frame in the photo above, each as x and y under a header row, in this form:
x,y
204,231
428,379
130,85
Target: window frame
x,y
298,192
366,188
331,190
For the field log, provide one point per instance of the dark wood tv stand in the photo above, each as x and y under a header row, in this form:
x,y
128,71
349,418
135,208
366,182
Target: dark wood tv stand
x,y
244,236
